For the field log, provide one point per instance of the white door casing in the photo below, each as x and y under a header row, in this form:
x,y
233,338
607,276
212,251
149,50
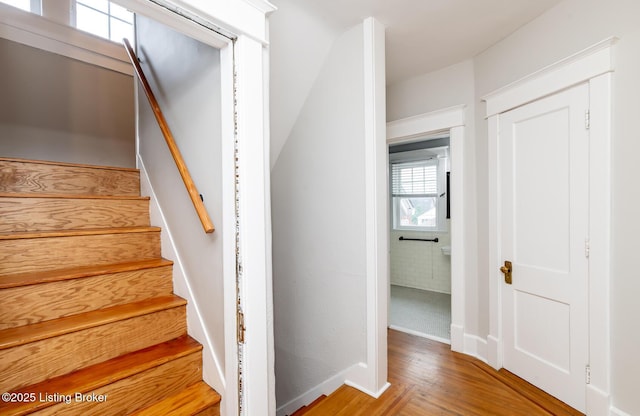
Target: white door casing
x,y
411,129
593,66
543,164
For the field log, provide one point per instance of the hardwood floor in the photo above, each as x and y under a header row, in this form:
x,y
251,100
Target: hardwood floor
x,y
428,379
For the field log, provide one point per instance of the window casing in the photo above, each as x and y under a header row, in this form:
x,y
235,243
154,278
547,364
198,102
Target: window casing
x,y
418,195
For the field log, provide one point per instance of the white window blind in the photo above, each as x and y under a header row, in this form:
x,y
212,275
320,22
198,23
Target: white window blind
x,y
418,178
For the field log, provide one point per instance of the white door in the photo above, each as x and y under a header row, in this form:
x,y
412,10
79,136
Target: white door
x,y
544,184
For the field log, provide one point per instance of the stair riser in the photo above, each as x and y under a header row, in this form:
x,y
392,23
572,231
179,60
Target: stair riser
x,y
48,214
137,392
37,361
27,177
35,303
39,254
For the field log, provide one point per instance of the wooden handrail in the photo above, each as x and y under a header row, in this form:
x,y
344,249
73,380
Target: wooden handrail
x,y
173,147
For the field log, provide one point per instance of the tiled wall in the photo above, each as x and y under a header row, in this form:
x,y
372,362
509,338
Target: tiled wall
x,y
420,264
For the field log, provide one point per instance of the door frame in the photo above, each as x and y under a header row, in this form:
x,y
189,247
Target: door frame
x,y
238,28
415,128
594,66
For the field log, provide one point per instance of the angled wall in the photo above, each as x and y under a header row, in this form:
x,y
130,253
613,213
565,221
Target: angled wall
x,y
296,61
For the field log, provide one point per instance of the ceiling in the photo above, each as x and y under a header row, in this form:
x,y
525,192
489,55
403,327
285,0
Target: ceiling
x,y
426,35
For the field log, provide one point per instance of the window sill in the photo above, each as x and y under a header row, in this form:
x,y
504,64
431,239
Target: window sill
x,y
38,32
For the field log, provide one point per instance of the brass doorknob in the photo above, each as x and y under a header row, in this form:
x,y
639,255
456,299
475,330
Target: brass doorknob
x,y
506,269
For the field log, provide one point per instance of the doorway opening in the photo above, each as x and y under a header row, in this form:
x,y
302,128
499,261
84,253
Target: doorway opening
x,y
420,238
431,127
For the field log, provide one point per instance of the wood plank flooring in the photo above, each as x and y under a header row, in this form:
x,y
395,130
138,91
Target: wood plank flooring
x,y
428,379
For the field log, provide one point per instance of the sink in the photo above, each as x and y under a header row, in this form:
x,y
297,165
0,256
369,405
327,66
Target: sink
x,y
446,250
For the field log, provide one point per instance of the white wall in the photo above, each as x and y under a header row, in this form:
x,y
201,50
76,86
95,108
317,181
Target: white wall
x,y
299,43
434,91
568,28
58,108
185,77
318,214
418,264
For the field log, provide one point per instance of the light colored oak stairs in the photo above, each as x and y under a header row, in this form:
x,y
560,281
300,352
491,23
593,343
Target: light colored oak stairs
x,y
86,305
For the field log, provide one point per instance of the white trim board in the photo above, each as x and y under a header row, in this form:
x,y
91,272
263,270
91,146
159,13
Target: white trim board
x,y
184,21
575,69
431,123
420,334
371,376
617,412
594,66
409,129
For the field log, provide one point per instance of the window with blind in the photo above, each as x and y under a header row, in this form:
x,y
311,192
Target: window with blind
x,y
416,187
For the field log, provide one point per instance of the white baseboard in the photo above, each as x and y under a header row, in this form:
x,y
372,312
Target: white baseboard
x,y
617,412
326,387
493,352
475,346
598,401
374,394
457,338
419,334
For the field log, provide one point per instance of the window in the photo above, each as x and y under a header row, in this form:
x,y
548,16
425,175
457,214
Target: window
x,y
418,194
105,19
33,6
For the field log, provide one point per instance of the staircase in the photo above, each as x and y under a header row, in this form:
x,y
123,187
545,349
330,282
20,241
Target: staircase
x,y
88,321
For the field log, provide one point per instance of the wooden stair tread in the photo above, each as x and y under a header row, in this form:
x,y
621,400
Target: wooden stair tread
x,y
72,196
190,401
99,375
72,233
66,164
32,278
12,337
